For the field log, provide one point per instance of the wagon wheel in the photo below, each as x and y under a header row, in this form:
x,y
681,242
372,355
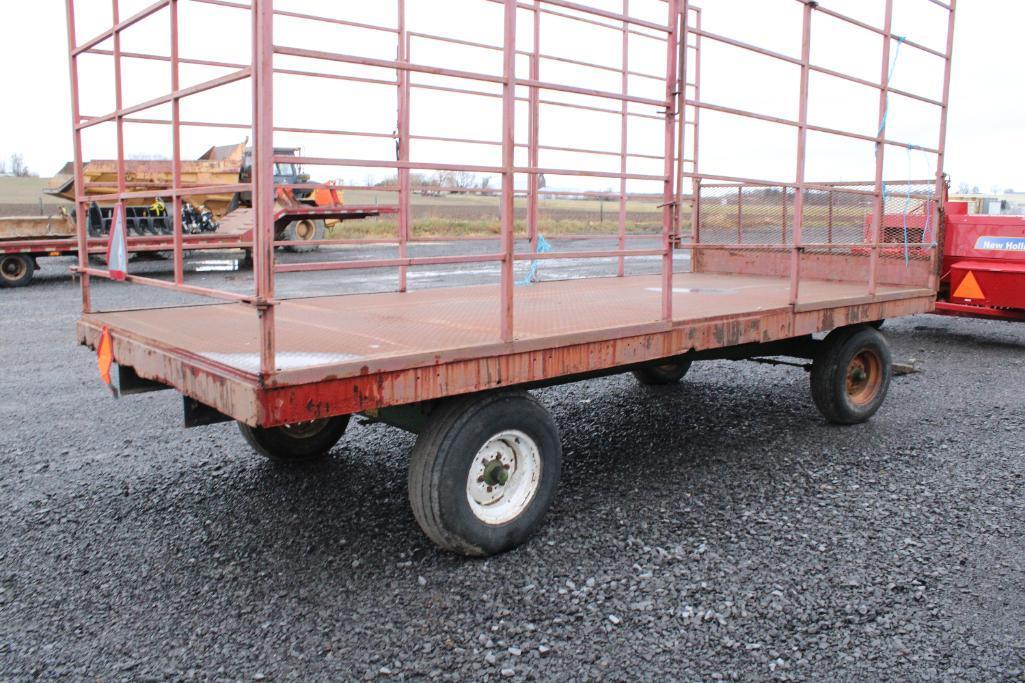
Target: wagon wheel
x,y
297,442
663,373
16,270
483,472
851,374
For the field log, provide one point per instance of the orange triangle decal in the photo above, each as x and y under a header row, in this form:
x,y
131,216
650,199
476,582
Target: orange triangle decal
x,y
969,288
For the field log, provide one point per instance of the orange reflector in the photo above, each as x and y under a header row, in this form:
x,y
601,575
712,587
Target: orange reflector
x,y
969,288
55,253
105,355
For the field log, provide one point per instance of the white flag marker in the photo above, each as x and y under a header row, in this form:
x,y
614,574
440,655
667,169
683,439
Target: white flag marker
x,y
117,245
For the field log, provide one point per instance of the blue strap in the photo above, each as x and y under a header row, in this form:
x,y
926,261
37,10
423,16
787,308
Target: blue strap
x,y
889,79
543,247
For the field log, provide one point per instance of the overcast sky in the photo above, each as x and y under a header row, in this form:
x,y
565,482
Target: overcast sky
x,y
987,117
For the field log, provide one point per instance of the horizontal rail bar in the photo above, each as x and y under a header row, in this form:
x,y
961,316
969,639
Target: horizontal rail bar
x,y
877,86
611,253
835,183
755,182
554,103
626,19
797,124
432,166
121,26
165,284
720,246
457,73
298,15
551,148
876,30
539,55
584,20
375,163
387,263
164,99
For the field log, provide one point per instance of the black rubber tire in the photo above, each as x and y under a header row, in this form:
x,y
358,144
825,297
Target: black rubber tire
x,y
16,270
661,375
291,234
832,365
446,450
284,445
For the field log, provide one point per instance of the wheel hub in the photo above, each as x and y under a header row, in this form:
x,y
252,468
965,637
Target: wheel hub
x,y
305,230
864,377
13,268
503,477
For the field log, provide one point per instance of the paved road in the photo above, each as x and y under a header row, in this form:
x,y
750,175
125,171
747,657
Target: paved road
x,y
715,530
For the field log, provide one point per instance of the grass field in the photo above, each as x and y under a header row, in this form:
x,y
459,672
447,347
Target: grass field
x,y
24,197
459,215
462,215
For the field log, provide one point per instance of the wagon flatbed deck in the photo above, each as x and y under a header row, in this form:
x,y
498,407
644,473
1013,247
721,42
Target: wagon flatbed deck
x,y
343,354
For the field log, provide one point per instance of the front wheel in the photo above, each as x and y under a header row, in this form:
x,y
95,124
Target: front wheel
x,y
16,270
851,374
483,473
298,442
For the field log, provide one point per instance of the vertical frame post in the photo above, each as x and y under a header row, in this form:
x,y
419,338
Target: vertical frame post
x,y
785,196
695,216
508,165
402,127
76,133
802,148
740,214
624,137
533,135
263,176
941,189
681,109
119,105
878,203
829,222
176,150
668,196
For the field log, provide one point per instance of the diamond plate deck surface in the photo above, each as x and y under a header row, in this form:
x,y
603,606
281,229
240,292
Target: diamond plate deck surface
x,y
342,334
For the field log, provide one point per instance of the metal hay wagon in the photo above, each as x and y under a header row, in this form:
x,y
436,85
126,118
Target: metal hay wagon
x,y
747,265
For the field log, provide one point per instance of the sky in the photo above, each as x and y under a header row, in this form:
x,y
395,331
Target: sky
x,y
987,111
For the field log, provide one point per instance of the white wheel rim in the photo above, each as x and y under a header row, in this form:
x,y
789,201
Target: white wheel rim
x,y
492,500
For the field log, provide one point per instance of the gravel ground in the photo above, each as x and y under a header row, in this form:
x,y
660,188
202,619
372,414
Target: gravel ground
x,y
715,530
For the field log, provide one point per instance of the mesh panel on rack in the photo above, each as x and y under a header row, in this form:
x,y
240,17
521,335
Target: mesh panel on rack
x,y
745,214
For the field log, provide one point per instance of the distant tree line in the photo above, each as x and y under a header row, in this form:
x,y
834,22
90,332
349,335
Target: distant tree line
x,y
15,165
966,188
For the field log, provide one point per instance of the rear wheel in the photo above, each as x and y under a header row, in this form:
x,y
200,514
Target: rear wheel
x,y
296,442
16,270
851,374
483,473
665,373
304,230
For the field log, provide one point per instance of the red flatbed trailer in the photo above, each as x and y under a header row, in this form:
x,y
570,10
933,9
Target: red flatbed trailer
x,y
19,254
452,364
